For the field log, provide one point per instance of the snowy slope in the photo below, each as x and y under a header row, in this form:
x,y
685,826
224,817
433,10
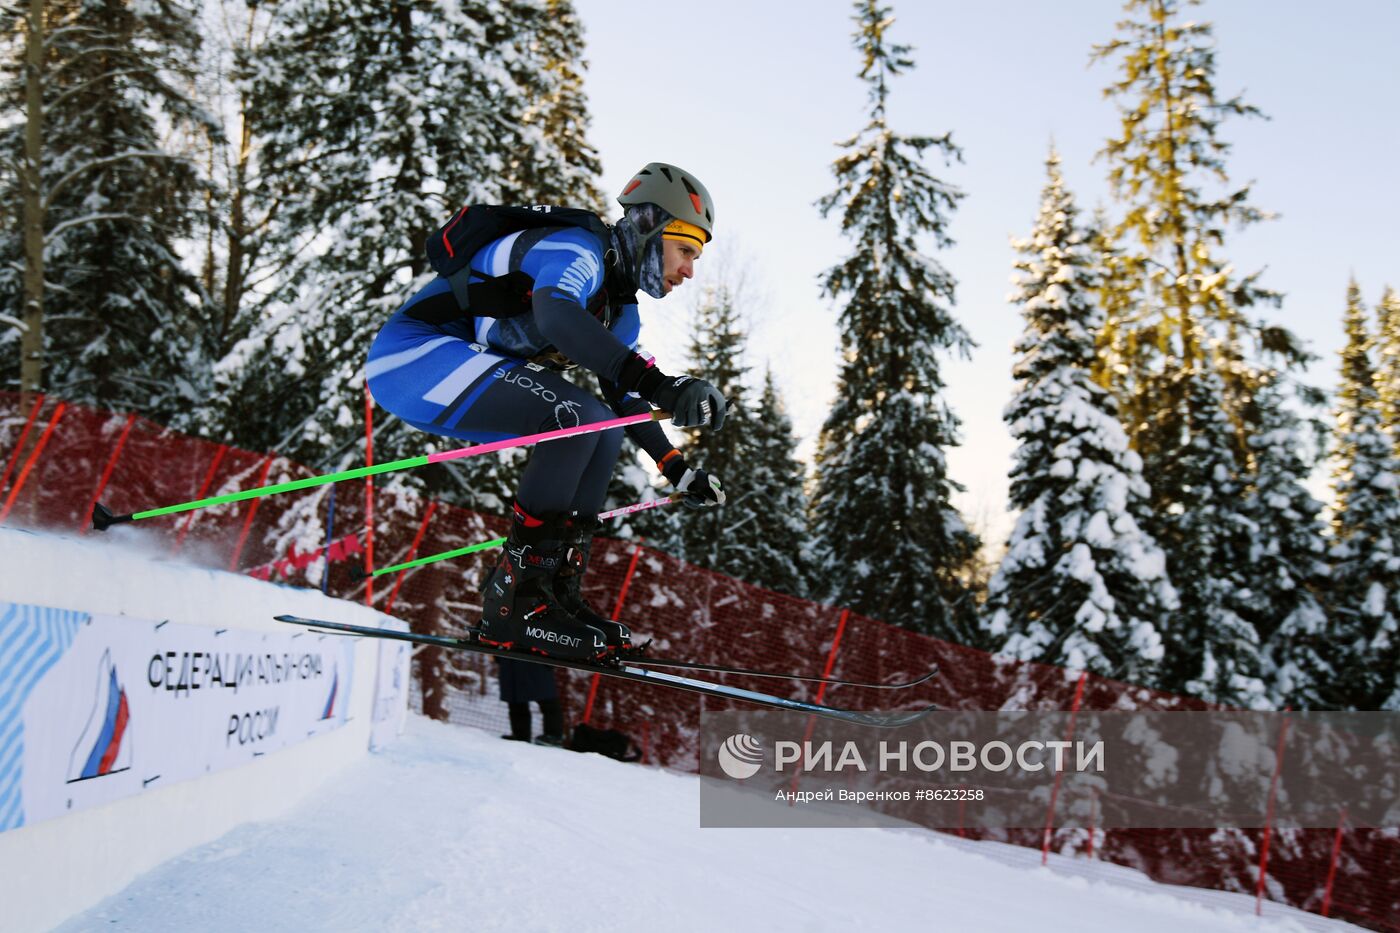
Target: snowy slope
x,y
454,829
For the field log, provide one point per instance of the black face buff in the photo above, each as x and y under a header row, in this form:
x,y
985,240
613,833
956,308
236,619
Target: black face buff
x,y
637,237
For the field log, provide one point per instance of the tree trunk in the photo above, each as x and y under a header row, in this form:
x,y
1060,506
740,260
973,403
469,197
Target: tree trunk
x,y
31,371
211,218
238,232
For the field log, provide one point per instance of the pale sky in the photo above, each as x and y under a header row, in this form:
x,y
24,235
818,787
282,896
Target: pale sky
x,y
752,97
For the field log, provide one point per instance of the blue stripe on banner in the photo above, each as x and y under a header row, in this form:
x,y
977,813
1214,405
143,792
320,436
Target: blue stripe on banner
x,y
32,639
11,802
8,759
21,659
41,635
10,734
23,635
19,644
109,725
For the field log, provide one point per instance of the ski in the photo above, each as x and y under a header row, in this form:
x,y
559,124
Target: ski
x,y
724,669
750,672
625,670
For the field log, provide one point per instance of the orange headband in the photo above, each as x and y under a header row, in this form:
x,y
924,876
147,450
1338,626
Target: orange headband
x,y
681,230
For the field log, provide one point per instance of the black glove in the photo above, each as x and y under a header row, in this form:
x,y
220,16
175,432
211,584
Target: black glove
x,y
701,490
692,402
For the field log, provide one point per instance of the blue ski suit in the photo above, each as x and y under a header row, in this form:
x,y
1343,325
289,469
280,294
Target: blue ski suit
x,y
484,378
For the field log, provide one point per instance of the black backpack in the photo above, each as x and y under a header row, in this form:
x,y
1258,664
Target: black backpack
x,y
451,248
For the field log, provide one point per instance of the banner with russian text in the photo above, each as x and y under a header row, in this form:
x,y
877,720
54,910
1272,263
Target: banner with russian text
x,y
94,708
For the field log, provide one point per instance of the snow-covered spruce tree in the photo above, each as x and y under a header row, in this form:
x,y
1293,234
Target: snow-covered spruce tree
x,y
759,535
552,76
124,322
1176,304
1211,651
889,542
1365,590
1388,363
243,252
631,482
716,354
22,221
1082,585
351,108
1286,557
382,118
1114,298
1178,313
781,553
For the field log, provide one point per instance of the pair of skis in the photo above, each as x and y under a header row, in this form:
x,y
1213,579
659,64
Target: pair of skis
x,y
647,670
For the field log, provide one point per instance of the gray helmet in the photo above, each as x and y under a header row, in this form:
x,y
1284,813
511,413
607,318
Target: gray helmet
x,y
675,191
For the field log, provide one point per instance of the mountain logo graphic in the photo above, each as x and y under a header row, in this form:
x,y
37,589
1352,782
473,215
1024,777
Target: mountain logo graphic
x,y
105,744
741,756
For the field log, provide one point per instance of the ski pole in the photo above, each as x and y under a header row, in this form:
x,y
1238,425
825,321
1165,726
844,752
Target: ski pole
x,y
357,574
102,517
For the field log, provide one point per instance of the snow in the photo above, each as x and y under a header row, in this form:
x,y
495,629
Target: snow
x,y
453,828
1374,606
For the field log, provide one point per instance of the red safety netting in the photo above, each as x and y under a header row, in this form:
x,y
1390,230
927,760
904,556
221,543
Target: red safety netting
x,y
57,459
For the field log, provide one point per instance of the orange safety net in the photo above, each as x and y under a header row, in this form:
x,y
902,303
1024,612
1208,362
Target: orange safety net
x,y
687,612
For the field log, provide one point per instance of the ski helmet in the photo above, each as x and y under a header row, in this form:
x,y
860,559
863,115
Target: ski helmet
x,y
675,191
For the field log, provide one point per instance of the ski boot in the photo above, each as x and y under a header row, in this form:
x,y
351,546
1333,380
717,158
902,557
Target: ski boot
x,y
578,539
519,610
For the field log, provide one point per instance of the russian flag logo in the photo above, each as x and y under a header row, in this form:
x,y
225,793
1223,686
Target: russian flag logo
x,y
328,711
104,747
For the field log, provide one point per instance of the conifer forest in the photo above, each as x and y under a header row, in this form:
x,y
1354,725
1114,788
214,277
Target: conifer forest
x,y
210,207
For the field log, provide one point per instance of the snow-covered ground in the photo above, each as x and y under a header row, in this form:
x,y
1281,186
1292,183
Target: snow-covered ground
x,y
454,829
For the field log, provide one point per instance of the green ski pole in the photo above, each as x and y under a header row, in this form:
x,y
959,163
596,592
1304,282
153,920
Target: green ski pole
x,y
103,518
357,574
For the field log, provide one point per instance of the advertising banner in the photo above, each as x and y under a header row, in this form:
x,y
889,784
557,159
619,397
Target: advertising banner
x,y
94,708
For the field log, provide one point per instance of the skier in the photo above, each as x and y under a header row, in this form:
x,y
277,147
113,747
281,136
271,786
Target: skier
x,y
483,378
